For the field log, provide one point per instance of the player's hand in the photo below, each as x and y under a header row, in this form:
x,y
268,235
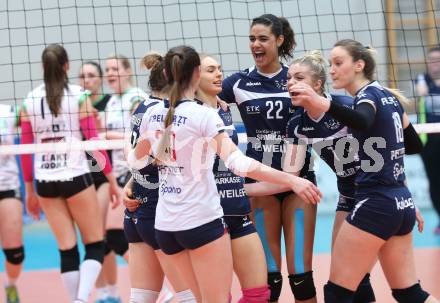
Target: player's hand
x,y
129,202
306,190
224,106
420,220
305,96
114,190
32,204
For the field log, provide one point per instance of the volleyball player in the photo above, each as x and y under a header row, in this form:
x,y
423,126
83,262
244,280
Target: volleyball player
x,y
90,78
330,139
247,251
11,209
380,225
260,93
57,111
182,136
146,258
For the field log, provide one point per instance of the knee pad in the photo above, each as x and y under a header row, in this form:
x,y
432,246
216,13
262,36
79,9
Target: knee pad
x,y
255,295
69,259
337,294
95,251
14,255
116,241
275,281
302,285
364,293
413,294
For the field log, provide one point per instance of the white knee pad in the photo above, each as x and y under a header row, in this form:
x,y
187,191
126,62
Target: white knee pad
x,y
185,296
138,295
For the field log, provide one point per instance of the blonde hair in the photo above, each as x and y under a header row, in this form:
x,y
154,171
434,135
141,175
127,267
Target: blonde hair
x,y
317,64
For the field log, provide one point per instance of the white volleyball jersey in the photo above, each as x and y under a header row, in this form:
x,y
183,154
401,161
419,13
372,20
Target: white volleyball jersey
x,y
65,127
117,118
188,195
9,171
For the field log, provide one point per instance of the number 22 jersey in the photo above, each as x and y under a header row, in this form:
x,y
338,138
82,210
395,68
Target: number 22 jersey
x,y
265,107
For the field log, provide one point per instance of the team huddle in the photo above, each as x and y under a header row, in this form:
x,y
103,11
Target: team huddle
x,y
197,208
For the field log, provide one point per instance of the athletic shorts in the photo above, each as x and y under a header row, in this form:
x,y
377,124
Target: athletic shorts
x,y
13,193
98,179
173,242
140,228
281,196
64,189
239,226
384,213
345,204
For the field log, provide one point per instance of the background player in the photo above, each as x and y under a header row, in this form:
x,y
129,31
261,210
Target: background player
x,y
381,223
260,93
57,111
90,78
428,90
11,209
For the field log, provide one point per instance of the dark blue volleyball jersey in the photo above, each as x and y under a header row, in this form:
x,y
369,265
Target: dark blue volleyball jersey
x,y
230,186
145,180
265,107
381,147
331,141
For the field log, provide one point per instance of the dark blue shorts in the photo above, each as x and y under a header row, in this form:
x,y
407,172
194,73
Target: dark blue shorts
x,y
173,242
140,228
239,226
345,204
384,213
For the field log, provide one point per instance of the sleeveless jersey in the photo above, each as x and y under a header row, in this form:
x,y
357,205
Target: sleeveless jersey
x,y
265,107
117,118
432,100
332,142
188,195
230,186
57,166
145,180
9,172
381,162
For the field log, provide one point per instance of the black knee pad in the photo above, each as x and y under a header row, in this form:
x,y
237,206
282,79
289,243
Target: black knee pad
x,y
14,255
95,251
69,259
337,294
364,293
302,285
275,281
116,241
413,294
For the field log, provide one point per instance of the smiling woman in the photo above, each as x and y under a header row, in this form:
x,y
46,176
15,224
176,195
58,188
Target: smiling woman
x,y
260,93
